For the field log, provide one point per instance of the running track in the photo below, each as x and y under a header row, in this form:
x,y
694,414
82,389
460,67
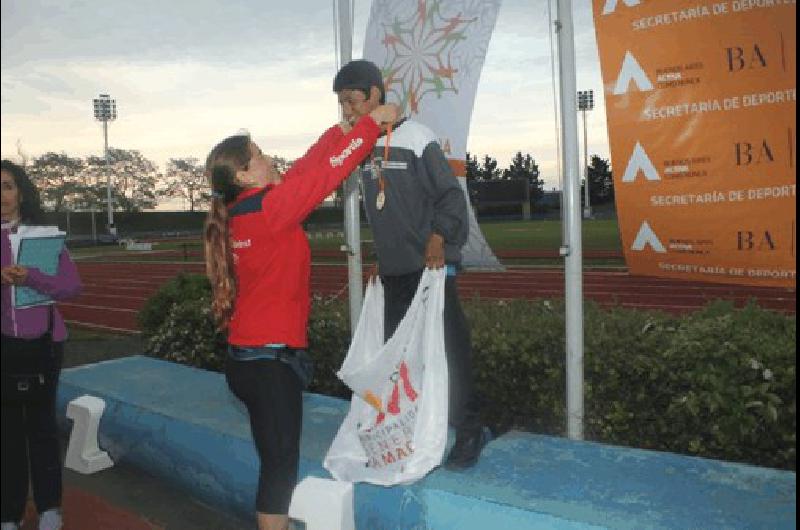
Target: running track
x,y
114,292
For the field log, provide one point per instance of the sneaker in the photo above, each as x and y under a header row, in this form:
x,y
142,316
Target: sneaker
x,y
51,520
9,526
467,449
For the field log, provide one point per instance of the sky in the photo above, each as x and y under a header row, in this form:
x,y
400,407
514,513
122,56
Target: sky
x,y
187,73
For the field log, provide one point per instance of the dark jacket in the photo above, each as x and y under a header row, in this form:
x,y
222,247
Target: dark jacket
x,y
422,196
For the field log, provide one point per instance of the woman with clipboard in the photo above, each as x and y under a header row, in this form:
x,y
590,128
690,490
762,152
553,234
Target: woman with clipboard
x,y
33,347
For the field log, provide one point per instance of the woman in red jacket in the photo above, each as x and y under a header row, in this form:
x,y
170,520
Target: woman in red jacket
x,y
259,263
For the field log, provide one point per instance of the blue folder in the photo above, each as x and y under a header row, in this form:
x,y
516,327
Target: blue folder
x,y
42,253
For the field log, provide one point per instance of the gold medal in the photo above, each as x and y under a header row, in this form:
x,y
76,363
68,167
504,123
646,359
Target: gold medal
x,y
380,200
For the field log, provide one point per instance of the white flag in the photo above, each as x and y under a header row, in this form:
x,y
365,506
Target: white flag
x,y
431,54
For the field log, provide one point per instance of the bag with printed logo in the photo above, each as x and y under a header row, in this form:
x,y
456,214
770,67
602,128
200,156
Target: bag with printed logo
x,y
396,429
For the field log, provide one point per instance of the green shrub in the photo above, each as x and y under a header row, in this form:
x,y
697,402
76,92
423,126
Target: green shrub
x,y
518,356
187,335
183,287
177,325
328,341
733,386
624,372
718,383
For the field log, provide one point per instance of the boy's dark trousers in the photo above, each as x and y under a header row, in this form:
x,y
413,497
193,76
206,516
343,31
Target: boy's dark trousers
x,y
464,415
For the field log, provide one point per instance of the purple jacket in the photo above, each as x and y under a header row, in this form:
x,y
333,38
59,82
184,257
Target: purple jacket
x,y
31,322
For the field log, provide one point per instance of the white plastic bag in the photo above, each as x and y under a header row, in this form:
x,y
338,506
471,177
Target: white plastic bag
x,y
396,429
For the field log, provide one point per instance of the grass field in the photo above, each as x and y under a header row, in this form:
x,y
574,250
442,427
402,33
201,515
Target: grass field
x,y
546,235
510,235
77,333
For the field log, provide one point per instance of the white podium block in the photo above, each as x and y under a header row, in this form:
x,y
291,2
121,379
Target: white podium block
x,y
323,504
83,454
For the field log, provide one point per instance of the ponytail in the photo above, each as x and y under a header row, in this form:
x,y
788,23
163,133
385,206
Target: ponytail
x,y
219,263
229,156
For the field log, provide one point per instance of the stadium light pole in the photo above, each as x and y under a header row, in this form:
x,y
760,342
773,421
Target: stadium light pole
x,y
586,103
105,110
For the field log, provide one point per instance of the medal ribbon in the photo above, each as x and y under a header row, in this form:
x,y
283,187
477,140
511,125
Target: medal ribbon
x,y
381,180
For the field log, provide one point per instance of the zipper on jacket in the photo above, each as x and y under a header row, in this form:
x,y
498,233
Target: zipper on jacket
x,y
14,316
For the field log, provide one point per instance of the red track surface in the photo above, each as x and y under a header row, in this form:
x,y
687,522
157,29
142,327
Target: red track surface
x,y
114,292
85,511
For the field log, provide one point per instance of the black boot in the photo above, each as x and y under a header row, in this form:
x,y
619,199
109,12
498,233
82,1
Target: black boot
x,y
467,449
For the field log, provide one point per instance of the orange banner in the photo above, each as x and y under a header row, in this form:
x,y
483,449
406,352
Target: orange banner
x,y
701,101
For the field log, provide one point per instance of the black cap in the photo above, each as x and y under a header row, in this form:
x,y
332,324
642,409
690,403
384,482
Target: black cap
x,y
360,74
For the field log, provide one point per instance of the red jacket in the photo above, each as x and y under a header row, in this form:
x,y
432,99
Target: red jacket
x,y
271,256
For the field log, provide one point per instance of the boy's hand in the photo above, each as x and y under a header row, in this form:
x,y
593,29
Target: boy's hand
x,y
434,252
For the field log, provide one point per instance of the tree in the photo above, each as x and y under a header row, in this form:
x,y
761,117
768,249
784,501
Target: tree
x,y
472,168
281,164
134,178
601,181
525,167
185,178
519,168
60,180
489,169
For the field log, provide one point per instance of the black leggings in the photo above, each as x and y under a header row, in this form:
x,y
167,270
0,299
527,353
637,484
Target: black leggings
x,y
31,449
273,395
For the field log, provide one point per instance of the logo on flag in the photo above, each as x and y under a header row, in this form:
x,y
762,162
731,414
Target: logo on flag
x,y
431,54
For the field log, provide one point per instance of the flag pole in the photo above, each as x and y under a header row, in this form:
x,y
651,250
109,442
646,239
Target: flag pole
x,y
573,247
352,214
